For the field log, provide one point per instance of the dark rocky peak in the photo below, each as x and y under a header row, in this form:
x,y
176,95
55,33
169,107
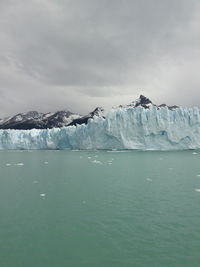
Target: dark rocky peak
x,y
99,111
142,101
96,112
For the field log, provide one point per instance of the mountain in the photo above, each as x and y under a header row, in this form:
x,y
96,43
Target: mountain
x,y
36,120
145,102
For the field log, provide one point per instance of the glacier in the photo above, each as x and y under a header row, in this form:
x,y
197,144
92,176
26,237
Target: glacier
x,y
141,128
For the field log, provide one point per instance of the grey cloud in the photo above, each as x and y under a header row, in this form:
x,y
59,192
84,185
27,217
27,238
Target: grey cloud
x,y
96,52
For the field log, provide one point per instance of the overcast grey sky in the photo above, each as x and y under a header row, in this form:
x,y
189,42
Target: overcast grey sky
x,y
79,54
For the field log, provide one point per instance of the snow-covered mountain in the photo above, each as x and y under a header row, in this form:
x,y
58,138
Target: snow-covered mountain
x,y
140,125
36,120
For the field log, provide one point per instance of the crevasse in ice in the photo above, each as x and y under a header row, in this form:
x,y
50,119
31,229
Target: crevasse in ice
x,y
122,128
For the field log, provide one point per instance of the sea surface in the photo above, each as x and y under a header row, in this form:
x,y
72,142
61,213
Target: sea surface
x,y
99,209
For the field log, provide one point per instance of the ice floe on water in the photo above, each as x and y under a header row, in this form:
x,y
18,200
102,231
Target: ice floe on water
x,y
96,162
8,164
46,162
198,175
43,195
149,179
195,153
110,161
197,189
19,164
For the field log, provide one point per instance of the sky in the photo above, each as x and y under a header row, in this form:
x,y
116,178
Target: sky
x,y
77,55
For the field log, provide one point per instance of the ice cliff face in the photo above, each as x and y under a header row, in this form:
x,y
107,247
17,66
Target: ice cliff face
x,y
152,128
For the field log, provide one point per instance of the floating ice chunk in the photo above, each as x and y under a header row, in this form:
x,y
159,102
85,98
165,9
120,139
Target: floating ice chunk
x,y
96,161
35,182
149,179
43,195
19,164
197,189
198,175
46,162
8,164
194,153
89,157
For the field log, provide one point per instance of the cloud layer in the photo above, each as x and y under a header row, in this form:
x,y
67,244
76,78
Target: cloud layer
x,y
74,54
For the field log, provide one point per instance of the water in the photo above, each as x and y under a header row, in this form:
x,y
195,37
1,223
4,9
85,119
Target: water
x,y
89,209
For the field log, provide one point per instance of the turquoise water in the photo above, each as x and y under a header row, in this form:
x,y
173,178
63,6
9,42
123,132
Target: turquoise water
x,y
92,208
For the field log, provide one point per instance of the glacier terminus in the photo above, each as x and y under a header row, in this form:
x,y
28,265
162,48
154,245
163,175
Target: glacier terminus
x,y
140,125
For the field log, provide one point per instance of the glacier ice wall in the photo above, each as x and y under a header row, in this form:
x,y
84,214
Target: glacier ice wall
x,y
122,128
